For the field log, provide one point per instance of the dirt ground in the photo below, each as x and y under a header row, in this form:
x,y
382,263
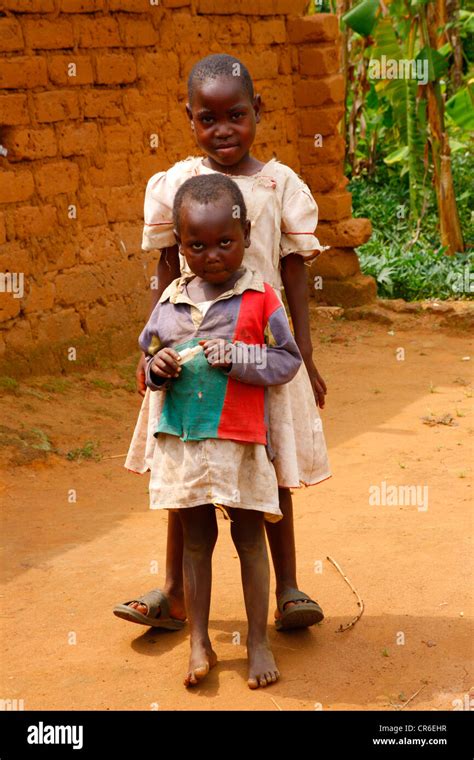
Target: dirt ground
x,y
66,562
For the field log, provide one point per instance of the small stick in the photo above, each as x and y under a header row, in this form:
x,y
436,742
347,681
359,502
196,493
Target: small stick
x,y
360,603
115,456
412,697
275,703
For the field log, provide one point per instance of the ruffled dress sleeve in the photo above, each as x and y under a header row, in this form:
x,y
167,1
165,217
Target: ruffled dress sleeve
x,y
299,220
158,209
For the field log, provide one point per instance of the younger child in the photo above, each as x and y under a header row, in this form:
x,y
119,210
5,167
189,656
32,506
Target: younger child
x,y
212,437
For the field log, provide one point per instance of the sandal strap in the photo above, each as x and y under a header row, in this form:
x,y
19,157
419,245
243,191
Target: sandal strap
x,y
292,595
154,599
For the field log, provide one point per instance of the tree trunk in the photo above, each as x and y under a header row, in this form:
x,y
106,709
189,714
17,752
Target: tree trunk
x,y
450,228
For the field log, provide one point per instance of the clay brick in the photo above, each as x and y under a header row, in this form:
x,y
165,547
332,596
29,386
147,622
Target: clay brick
x,y
33,221
78,139
3,230
135,101
251,7
335,205
271,129
322,27
10,307
56,105
320,59
132,6
11,37
322,121
59,327
336,264
40,297
115,173
102,103
159,69
324,177
23,73
351,292
46,34
116,69
124,277
30,144
57,177
124,204
92,215
137,32
261,65
175,3
13,110
112,316
80,284
268,32
128,237
97,32
81,6
70,70
285,61
120,139
227,31
349,233
16,186
29,6
274,98
14,258
332,149
315,92
181,30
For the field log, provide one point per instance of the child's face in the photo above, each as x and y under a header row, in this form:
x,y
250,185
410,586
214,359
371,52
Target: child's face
x,y
224,119
211,240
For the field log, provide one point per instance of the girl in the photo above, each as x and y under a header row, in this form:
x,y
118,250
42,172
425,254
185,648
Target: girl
x,y
211,433
223,112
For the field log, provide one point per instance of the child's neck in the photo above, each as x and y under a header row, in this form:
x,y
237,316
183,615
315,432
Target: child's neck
x,y
199,289
247,166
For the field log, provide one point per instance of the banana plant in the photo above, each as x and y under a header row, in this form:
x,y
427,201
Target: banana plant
x,y
407,69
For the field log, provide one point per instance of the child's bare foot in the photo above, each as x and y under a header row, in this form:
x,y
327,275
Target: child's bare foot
x,y
262,667
201,660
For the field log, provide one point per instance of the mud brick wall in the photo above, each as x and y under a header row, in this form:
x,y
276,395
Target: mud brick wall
x,y
91,105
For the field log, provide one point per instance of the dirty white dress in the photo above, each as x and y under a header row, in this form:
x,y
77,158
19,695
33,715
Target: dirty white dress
x,y
284,216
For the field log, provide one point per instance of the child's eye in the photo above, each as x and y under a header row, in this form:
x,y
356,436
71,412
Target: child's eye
x,y
238,114
197,246
225,243
206,119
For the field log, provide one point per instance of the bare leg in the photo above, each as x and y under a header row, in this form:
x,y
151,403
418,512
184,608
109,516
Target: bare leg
x,y
200,535
173,586
249,539
281,537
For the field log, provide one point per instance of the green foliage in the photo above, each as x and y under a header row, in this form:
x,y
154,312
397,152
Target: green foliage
x,y
401,267
9,384
88,451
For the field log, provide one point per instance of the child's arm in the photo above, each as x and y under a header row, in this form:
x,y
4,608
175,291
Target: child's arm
x,y
167,270
161,364
274,363
295,281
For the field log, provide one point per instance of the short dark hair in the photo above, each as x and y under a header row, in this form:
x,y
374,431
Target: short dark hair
x,y
214,66
207,188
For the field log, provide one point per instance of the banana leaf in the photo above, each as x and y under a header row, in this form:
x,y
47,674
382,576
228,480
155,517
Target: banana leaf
x,y
461,107
362,17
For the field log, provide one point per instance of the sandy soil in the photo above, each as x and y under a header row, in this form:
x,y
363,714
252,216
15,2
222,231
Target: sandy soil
x,y
67,563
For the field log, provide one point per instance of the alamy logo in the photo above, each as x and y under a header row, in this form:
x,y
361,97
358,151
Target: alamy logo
x,y
12,282
399,496
41,734
404,68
